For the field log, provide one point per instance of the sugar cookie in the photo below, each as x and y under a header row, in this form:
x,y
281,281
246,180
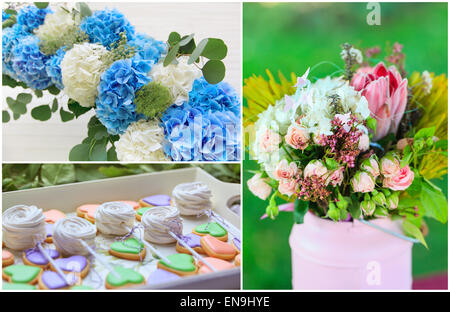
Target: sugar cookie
x,y
132,203
77,264
128,278
7,258
155,200
81,287
217,248
52,280
237,260
192,198
140,212
180,263
130,249
193,241
87,211
53,215
217,264
213,229
21,273
161,276
18,286
35,257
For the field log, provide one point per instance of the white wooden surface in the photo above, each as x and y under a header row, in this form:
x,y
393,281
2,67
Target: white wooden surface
x,y
27,139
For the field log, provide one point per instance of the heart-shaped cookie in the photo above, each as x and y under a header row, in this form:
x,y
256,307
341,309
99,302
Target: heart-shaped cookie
x,y
155,200
87,211
17,286
20,273
217,249
133,204
7,258
193,241
75,264
161,276
140,212
35,257
130,249
180,263
128,277
213,229
53,215
217,264
52,280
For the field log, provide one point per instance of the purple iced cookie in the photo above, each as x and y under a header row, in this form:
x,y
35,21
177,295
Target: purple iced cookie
x,y
193,240
237,243
74,264
157,200
37,258
53,280
161,276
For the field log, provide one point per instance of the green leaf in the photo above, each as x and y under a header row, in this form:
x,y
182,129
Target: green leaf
x,y
174,38
97,132
98,152
53,90
10,82
53,174
187,48
354,207
197,52
41,5
76,108
371,123
8,23
272,208
170,57
42,112
300,209
215,49
185,40
11,11
434,202
84,9
441,144
5,116
214,71
65,116
412,230
331,163
54,105
113,171
24,98
38,93
416,185
17,107
16,116
425,133
79,152
112,155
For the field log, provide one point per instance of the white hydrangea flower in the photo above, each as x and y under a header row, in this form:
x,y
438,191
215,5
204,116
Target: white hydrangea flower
x,y
141,142
178,78
81,69
55,25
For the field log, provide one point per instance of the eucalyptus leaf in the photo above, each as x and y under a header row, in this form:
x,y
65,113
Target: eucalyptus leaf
x,y
197,52
84,9
215,49
214,71
65,116
5,116
42,112
185,40
112,155
38,93
54,105
41,5
76,108
53,90
24,98
170,57
98,151
79,152
174,38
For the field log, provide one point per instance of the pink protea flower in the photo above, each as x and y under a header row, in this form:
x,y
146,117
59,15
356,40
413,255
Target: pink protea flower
x,y
386,93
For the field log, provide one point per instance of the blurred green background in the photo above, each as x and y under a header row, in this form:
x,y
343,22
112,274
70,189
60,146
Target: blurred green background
x,y
291,37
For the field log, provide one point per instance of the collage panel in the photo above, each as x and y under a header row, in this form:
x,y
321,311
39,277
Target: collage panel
x,y
346,123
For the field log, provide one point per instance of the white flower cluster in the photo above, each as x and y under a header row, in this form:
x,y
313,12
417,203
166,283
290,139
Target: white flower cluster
x,y
56,25
427,82
178,78
141,142
81,69
355,54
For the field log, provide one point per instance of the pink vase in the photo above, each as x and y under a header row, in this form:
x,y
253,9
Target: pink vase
x,y
331,255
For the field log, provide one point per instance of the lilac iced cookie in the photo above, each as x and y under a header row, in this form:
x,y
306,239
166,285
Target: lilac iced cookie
x,y
75,264
157,200
35,257
193,240
53,280
161,276
237,243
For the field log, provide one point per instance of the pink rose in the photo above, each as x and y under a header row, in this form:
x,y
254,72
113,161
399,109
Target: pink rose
x,y
371,166
364,142
401,180
401,144
285,170
336,177
269,141
259,187
297,137
287,187
363,182
389,166
315,167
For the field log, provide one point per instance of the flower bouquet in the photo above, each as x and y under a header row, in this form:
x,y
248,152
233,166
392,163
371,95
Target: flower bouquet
x,y
350,153
153,100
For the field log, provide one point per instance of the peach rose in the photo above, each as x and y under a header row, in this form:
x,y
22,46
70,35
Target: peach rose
x,y
389,166
315,167
336,177
371,166
401,180
285,170
259,187
363,182
364,142
297,137
269,141
401,144
287,187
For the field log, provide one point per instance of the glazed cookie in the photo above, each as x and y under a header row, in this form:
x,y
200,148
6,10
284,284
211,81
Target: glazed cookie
x,y
218,264
81,287
21,273
52,280
157,222
132,203
155,200
161,276
193,241
7,258
217,248
35,257
114,218
87,211
192,198
18,286
237,260
49,231
140,212
130,249
180,264
53,215
212,228
128,278
237,244
78,265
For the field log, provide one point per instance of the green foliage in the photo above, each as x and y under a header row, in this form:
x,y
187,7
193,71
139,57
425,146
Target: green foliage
x,y
76,108
300,209
10,82
153,99
42,112
5,116
73,35
120,50
41,5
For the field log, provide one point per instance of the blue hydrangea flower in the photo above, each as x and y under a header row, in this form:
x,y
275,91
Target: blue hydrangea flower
x,y
218,97
53,68
105,26
10,37
115,101
192,134
147,48
5,16
29,63
32,17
